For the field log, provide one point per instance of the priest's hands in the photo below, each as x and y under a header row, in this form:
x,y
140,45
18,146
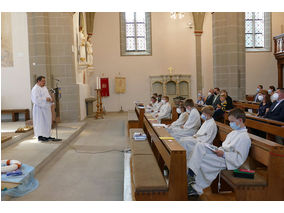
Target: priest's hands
x,y
219,153
48,99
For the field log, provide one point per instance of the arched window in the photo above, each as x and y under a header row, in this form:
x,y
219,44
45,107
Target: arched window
x,y
135,33
258,31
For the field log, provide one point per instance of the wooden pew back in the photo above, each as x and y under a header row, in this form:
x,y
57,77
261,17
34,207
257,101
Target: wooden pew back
x,y
170,153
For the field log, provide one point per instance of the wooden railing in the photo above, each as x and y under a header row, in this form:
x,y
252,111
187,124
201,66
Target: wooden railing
x,y
279,55
279,44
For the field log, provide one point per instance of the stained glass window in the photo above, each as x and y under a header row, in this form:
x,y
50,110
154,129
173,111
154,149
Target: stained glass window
x,y
135,33
254,32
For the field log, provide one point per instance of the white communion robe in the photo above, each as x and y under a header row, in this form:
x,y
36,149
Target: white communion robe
x,y
206,164
155,107
205,134
165,112
41,111
189,128
180,121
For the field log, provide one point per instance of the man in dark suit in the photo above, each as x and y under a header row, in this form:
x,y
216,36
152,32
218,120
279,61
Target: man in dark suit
x,y
210,97
276,111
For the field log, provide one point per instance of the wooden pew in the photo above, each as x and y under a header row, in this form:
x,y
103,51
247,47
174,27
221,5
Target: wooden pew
x,y
135,119
250,97
272,128
147,180
167,153
140,115
245,105
171,154
15,113
267,159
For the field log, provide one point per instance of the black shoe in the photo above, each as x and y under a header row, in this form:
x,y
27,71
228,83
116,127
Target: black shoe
x,y
190,180
50,139
43,139
191,191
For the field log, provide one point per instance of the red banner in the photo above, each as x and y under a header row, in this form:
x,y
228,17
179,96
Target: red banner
x,y
104,87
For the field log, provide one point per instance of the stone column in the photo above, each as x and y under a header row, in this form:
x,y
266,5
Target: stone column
x,y
39,50
229,53
50,49
198,18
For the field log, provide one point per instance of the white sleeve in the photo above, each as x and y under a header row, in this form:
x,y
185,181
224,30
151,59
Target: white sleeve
x,y
234,159
192,120
165,112
37,99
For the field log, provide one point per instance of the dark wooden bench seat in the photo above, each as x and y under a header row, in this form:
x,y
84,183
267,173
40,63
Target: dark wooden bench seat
x,y
139,147
147,180
133,121
147,176
15,113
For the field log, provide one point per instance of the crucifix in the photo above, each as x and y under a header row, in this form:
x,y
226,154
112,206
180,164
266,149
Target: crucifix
x,y
170,69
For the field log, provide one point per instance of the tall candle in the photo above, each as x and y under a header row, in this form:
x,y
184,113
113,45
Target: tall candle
x,y
98,83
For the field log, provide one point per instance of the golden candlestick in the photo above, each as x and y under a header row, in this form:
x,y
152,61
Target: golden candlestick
x,y
99,112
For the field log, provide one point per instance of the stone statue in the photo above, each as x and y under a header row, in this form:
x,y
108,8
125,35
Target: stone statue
x,y
82,42
89,52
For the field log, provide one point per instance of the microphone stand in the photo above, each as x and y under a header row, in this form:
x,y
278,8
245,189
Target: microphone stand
x,y
56,94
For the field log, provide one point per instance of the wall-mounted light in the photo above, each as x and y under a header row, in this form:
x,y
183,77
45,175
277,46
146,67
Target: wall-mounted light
x,y
175,15
189,25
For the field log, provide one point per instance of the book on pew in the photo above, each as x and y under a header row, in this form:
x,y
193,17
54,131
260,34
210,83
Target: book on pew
x,y
160,125
139,136
244,173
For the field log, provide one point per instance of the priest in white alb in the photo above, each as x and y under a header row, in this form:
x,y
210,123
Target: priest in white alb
x,y
42,118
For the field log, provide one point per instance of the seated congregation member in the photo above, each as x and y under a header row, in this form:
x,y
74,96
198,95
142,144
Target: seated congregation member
x,y
228,99
205,164
200,101
258,92
271,92
182,118
216,99
210,97
276,111
191,125
205,134
221,108
265,103
165,110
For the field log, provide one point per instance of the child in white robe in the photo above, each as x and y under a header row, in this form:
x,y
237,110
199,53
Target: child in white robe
x,y
181,120
205,134
191,125
152,106
165,110
205,164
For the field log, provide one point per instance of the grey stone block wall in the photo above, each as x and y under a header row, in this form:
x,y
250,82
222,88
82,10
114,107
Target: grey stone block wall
x,y
229,53
50,47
